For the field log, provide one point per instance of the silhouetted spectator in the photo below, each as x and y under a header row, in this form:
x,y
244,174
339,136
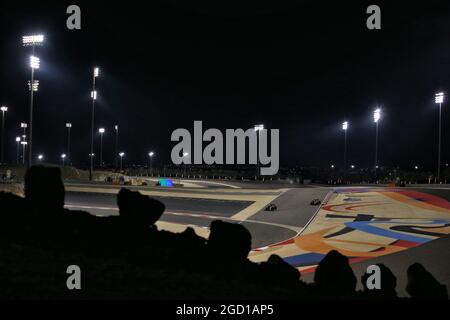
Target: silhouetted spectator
x,y
334,277
44,189
278,271
137,209
422,284
229,241
388,283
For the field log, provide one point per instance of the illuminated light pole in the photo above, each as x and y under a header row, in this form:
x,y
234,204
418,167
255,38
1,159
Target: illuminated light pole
x,y
345,128
151,154
439,99
68,126
258,128
18,149
185,155
40,157
63,158
34,64
3,109
376,119
93,97
24,145
121,155
116,129
101,131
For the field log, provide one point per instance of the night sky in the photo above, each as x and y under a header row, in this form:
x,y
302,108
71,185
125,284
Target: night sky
x,y
302,67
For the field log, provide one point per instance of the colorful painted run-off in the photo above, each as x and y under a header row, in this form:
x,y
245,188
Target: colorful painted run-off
x,y
364,223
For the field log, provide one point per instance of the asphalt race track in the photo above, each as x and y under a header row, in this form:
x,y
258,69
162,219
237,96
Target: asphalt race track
x,y
294,210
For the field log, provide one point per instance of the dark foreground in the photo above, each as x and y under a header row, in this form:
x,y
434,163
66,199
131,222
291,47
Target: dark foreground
x,y
126,256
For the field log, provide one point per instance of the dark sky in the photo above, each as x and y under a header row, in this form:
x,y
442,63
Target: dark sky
x,y
302,67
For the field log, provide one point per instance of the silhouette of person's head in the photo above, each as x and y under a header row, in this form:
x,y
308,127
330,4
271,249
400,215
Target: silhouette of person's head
x,y
388,283
334,276
422,284
44,189
230,241
138,209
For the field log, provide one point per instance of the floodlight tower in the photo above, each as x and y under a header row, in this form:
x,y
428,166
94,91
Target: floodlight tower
x,y
376,119
439,99
32,41
101,131
3,109
345,128
258,128
121,155
116,129
68,126
93,97
18,149
151,154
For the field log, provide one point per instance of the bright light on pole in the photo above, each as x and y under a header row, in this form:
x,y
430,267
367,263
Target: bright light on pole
x,y
116,129
101,131
35,62
121,155
185,155
18,149
439,99
35,86
40,157
93,97
376,119
63,158
24,145
33,40
68,126
258,128
3,109
345,128
151,154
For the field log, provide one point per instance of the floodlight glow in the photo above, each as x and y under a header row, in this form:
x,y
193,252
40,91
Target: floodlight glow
x,y
24,143
4,109
94,95
101,130
345,125
332,166
121,154
63,156
96,72
17,139
439,97
23,125
35,85
151,154
33,40
376,115
352,166
259,127
68,125
116,127
40,157
34,62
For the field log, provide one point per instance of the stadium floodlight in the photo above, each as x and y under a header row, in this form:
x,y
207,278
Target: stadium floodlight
x,y
34,62
96,72
63,156
259,127
332,166
352,166
345,125
150,154
416,167
35,85
68,125
3,109
121,154
116,145
23,125
40,157
94,95
101,131
376,115
17,139
33,40
439,99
